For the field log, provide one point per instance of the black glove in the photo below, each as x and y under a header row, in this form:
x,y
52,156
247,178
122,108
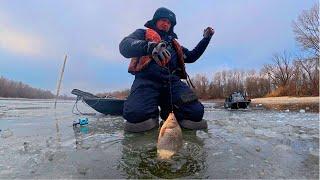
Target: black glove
x,y
208,32
159,52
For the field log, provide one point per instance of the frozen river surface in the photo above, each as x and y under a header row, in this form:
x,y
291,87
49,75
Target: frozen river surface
x,y
37,141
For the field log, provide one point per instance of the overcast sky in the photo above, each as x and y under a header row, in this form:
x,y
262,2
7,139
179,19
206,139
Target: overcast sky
x,y
36,34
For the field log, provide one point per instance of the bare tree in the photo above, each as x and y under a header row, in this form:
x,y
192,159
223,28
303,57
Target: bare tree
x,y
280,71
201,84
306,30
309,72
216,87
256,85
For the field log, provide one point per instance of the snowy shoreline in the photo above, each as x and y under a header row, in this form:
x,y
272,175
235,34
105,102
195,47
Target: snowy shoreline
x,y
286,100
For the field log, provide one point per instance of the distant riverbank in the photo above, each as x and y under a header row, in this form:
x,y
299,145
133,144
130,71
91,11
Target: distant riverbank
x,y
307,104
302,104
286,100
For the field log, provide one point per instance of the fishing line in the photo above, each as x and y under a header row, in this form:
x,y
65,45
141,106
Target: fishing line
x,y
170,89
75,106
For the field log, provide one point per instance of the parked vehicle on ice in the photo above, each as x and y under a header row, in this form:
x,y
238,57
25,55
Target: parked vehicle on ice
x,y
237,100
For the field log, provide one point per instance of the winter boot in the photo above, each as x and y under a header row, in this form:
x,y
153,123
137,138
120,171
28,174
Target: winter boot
x,y
194,125
141,126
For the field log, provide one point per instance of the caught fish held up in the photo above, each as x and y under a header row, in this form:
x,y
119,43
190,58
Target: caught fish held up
x,y
170,138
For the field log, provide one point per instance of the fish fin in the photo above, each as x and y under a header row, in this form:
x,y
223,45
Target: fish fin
x,y
162,130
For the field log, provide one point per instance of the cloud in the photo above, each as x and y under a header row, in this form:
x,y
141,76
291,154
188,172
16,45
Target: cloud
x,y
16,41
22,43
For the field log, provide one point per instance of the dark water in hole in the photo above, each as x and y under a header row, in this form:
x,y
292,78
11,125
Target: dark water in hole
x,y
37,141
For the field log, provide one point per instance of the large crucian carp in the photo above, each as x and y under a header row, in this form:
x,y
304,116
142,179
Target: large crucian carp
x,y
170,138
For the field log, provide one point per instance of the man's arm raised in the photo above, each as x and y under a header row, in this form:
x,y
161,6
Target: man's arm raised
x,y
192,56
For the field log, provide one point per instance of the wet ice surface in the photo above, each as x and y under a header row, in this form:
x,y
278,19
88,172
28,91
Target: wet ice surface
x,y
40,142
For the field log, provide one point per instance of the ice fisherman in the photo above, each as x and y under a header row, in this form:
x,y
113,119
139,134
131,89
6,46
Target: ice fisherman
x,y
158,64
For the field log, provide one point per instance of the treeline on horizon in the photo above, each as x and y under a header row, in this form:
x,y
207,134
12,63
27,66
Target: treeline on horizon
x,y
13,89
278,79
